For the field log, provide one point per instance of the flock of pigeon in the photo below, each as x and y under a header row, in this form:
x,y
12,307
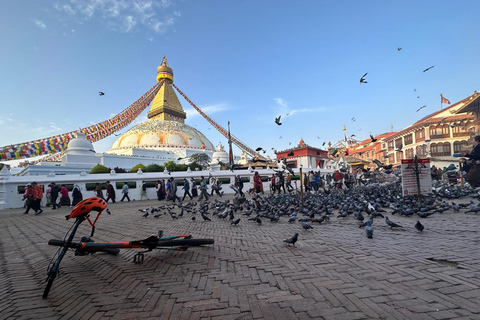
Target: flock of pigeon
x,y
363,205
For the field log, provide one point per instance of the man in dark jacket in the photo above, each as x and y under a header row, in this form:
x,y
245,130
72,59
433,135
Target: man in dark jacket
x,y
110,192
54,195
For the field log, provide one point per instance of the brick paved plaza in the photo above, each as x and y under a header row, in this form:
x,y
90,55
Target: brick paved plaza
x,y
334,272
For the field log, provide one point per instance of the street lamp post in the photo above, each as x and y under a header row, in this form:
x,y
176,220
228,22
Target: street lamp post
x,y
301,185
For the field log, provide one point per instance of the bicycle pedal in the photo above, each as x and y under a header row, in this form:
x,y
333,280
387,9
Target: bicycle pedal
x,y
138,258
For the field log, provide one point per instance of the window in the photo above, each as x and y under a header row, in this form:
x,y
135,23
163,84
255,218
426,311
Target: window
x,y
421,151
440,149
399,156
409,153
439,132
398,143
390,145
420,135
460,131
461,146
408,139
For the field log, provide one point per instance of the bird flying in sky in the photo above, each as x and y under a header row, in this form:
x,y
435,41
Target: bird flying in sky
x,y
428,68
362,79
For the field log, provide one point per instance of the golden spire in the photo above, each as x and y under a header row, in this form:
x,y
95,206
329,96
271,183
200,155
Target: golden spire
x,y
165,105
164,71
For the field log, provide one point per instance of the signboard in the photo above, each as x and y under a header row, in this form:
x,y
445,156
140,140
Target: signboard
x,y
409,178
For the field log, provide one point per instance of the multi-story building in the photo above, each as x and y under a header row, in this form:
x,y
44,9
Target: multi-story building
x,y
369,149
437,136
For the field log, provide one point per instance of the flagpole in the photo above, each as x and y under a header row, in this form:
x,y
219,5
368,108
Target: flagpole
x,y
441,101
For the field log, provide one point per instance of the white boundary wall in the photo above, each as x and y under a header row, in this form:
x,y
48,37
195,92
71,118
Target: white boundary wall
x,y
11,198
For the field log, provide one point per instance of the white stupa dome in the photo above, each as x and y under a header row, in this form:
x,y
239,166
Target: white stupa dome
x,y
160,134
220,155
80,145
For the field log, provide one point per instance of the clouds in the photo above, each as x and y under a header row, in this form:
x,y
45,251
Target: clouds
x,y
40,24
215,108
282,108
121,15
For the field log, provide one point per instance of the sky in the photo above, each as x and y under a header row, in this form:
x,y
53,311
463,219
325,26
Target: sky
x,y
246,62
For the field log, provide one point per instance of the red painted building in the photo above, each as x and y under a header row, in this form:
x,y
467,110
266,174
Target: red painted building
x,y
305,155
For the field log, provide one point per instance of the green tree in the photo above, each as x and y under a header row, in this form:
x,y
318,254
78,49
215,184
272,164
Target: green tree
x,y
170,165
99,169
154,168
199,159
138,166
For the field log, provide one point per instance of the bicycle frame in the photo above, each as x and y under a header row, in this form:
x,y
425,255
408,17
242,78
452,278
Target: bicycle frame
x,y
87,246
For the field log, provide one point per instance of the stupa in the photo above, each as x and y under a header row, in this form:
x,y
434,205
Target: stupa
x,y
165,131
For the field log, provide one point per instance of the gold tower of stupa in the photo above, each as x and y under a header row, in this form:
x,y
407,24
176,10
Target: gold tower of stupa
x,y
166,128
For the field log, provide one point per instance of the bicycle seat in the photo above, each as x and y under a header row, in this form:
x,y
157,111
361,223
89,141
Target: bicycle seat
x,y
150,242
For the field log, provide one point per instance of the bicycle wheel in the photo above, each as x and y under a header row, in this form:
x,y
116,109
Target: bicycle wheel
x,y
185,242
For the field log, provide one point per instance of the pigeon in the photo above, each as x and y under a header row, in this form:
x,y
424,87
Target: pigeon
x,y
419,226
421,108
157,215
145,215
392,224
292,240
277,120
205,218
362,79
373,139
306,226
101,93
291,154
399,49
193,218
235,222
428,69
259,149
108,211
369,231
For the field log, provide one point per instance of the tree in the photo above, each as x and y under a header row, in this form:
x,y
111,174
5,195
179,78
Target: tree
x,y
199,159
99,169
154,168
138,166
119,170
170,166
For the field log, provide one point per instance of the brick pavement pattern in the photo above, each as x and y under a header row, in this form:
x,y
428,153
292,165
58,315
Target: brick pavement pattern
x,y
334,272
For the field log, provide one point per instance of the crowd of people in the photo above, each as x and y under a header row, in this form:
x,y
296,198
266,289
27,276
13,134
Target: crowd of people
x,y
58,196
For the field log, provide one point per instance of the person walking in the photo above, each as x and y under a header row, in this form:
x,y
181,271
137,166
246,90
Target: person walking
x,y
54,191
37,197
194,187
288,180
239,185
76,195
125,192
174,190
99,191
186,187
110,192
257,183
28,197
215,185
64,199
143,191
48,195
203,189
